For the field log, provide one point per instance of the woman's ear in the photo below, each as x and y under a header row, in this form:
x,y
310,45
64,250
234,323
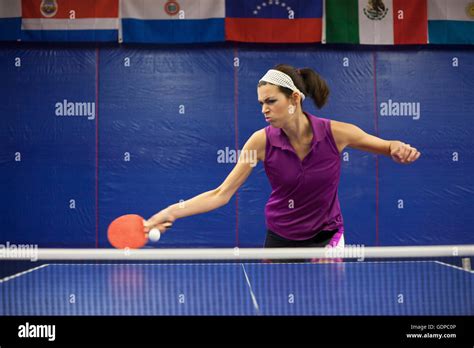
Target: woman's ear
x,y
296,98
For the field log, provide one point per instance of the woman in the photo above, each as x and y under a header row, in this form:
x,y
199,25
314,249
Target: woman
x,y
301,156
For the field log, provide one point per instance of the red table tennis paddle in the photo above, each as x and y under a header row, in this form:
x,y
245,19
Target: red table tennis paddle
x,y
127,231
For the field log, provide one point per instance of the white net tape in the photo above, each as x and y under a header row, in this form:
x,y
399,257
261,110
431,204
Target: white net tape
x,y
347,252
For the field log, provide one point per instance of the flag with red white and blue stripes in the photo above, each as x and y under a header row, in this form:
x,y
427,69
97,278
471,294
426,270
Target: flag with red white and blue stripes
x,y
70,20
177,21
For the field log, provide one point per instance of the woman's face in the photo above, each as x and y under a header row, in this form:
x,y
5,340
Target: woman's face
x,y
274,105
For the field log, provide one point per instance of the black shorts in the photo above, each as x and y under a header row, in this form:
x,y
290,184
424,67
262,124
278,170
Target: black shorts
x,y
320,240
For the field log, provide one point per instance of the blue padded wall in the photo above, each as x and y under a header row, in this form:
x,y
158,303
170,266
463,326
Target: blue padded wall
x,y
149,122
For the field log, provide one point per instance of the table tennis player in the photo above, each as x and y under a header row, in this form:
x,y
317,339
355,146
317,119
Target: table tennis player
x,y
301,156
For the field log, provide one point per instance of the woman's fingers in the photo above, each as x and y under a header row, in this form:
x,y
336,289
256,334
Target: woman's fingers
x,y
405,154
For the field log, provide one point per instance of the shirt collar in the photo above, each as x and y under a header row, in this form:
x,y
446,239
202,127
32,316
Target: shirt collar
x,y
280,139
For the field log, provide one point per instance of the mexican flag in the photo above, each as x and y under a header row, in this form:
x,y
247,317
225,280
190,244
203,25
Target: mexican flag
x,y
376,22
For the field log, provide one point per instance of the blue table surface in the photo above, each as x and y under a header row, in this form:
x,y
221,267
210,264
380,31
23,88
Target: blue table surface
x,y
346,288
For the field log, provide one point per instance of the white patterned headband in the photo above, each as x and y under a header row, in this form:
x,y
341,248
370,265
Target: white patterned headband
x,y
278,78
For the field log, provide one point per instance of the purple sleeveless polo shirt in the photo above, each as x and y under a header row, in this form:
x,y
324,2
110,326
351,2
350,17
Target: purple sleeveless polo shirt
x,y
304,198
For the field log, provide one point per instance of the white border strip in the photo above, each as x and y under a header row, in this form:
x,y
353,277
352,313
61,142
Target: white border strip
x,y
236,263
453,266
250,253
22,273
70,24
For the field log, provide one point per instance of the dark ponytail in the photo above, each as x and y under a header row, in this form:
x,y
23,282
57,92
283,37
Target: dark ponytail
x,y
315,86
307,81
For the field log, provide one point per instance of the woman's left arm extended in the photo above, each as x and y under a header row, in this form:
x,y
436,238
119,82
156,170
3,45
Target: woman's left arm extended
x,y
347,134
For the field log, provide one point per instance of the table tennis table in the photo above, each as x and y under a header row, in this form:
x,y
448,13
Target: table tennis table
x,y
393,288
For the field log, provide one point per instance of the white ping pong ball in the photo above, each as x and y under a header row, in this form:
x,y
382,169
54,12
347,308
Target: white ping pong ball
x,y
154,235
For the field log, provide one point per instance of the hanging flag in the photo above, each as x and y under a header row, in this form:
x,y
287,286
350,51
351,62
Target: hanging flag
x,y
376,22
180,21
451,22
10,20
285,21
69,20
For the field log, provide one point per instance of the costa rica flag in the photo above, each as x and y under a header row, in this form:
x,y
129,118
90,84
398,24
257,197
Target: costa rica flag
x,y
69,20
